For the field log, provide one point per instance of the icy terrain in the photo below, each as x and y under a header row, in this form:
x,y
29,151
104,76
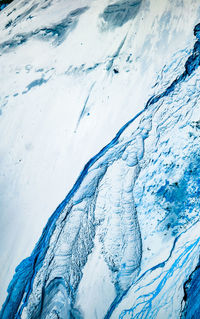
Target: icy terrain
x,y
125,241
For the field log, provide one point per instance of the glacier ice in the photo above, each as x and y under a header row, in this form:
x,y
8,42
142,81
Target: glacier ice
x,y
124,243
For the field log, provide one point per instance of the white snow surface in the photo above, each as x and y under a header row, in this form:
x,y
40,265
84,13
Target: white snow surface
x,y
61,101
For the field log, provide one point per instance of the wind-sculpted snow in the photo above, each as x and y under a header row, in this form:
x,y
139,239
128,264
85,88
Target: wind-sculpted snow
x,y
125,240
57,32
118,13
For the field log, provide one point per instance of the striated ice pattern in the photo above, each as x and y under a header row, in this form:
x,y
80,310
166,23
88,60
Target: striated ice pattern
x,y
125,242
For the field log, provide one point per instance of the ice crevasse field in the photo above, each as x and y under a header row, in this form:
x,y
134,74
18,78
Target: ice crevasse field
x,y
99,111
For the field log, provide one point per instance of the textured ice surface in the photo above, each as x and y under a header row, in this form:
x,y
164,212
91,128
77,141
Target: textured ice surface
x,y
124,243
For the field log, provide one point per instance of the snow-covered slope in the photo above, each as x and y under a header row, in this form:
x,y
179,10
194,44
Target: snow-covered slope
x,y
125,241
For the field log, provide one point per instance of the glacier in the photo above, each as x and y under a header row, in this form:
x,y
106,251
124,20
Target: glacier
x,y
124,243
